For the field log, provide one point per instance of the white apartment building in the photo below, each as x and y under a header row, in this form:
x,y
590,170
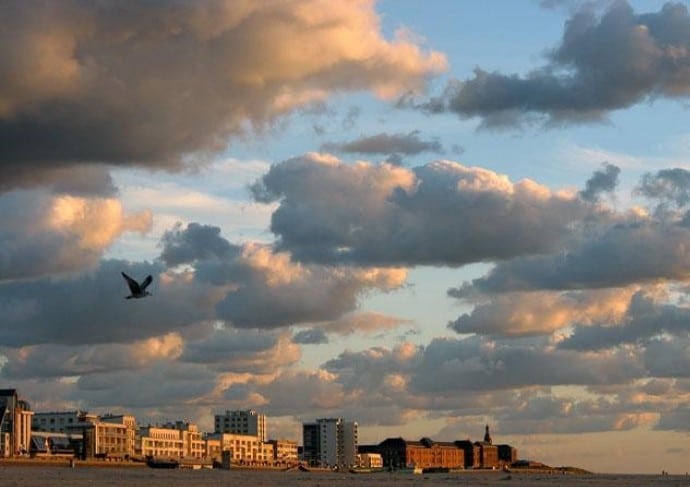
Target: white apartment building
x,y
241,422
245,449
331,442
15,424
171,440
285,451
105,436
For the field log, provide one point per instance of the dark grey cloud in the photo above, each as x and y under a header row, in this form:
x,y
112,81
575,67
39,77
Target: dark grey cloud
x,y
646,318
602,181
399,144
312,336
259,288
91,308
603,63
151,84
195,242
615,256
242,351
442,213
668,186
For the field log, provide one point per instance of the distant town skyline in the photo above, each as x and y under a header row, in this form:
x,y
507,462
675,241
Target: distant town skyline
x,y
429,217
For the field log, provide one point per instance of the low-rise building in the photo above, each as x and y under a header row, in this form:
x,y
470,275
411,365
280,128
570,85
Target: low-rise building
x,y
285,452
369,460
15,424
245,449
398,453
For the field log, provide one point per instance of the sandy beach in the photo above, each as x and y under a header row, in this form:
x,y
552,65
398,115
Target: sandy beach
x,y
40,476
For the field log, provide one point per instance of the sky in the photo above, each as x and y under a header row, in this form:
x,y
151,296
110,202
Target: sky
x,y
421,217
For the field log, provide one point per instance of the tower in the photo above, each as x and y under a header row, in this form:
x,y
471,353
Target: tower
x,y
487,435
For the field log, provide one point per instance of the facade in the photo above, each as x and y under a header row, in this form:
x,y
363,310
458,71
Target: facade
x,y
15,424
398,453
241,422
507,455
488,455
245,449
106,436
330,442
311,443
171,440
285,452
472,454
370,460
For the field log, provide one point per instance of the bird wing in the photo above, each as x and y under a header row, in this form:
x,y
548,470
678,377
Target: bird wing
x,y
133,285
146,282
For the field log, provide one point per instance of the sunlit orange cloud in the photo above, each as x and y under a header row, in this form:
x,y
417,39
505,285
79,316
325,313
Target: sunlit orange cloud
x,y
96,222
543,312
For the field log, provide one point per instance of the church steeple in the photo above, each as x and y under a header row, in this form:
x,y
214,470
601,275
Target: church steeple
x,y
487,435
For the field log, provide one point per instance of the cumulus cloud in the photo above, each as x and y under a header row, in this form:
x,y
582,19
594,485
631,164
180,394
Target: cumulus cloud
x,y
602,181
148,84
443,213
90,308
543,313
632,251
47,234
646,317
51,361
668,186
603,63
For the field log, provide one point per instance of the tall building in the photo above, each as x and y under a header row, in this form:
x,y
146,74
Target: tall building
x,y
15,424
241,422
330,442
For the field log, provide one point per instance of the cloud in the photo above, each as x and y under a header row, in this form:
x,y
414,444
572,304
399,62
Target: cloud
x,y
262,288
46,234
50,361
543,313
242,351
646,318
399,144
632,251
442,213
91,309
603,181
667,186
150,84
603,63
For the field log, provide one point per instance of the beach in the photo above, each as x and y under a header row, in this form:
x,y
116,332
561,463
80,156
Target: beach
x,y
42,476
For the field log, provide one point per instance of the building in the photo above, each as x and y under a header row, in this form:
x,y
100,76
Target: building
x,y
507,455
15,424
330,442
285,452
245,449
398,453
241,422
471,453
110,435
488,452
369,460
171,440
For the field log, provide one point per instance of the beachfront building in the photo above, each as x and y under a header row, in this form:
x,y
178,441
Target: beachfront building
x,y
398,453
245,449
507,454
108,436
241,422
171,440
370,460
15,424
330,442
285,452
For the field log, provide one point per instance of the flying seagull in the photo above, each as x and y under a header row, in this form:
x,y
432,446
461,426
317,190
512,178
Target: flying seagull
x,y
137,290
